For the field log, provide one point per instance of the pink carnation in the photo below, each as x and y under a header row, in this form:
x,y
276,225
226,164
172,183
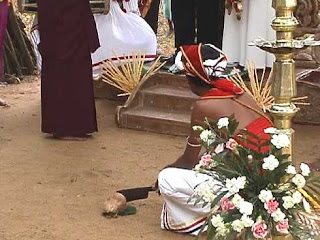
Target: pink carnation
x,y
272,206
226,204
205,160
259,230
283,226
231,144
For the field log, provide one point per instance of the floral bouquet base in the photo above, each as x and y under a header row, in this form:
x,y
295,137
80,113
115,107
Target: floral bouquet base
x,y
282,237
261,194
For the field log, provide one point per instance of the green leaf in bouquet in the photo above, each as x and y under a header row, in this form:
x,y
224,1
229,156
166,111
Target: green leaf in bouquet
x,y
229,173
248,141
233,125
204,204
247,133
279,174
210,123
264,143
218,199
196,199
211,231
281,157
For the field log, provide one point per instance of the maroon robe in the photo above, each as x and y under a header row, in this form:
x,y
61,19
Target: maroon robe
x,y
67,37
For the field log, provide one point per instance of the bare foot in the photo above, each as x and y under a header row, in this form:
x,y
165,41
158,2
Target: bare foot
x,y
115,204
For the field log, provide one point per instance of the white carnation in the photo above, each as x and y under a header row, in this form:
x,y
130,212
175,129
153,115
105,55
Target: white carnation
x,y
241,182
247,221
297,197
299,180
288,202
246,208
291,170
219,148
222,231
305,170
278,215
280,141
197,128
223,122
237,225
270,163
205,190
209,197
237,200
235,184
206,135
270,130
210,141
217,221
265,196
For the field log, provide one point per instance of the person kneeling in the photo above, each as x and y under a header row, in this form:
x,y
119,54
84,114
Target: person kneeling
x,y
218,97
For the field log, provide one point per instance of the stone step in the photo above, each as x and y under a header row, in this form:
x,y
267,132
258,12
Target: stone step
x,y
173,80
167,97
157,120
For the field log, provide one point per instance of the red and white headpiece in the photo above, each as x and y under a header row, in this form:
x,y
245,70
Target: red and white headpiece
x,y
208,63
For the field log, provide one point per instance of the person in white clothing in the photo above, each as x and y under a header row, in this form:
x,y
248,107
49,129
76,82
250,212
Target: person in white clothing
x,y
255,22
177,182
122,32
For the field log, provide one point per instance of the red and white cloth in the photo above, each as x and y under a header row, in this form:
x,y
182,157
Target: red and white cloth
x,y
176,186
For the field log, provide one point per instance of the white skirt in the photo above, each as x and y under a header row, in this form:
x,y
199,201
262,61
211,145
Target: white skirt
x,y
122,34
176,187
256,18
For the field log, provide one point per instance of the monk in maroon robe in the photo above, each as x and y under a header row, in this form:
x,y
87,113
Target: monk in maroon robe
x,y
67,37
3,26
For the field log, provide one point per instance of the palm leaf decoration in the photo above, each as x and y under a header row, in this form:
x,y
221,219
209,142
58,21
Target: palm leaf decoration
x,y
126,74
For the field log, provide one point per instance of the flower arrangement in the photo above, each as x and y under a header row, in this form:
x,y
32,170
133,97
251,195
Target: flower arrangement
x,y
261,192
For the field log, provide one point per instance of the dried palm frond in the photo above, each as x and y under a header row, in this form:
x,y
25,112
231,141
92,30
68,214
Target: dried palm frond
x,y
310,220
299,100
129,72
259,90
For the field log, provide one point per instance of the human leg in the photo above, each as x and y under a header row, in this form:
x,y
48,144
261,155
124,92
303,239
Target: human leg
x,y
152,15
183,17
210,21
177,186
